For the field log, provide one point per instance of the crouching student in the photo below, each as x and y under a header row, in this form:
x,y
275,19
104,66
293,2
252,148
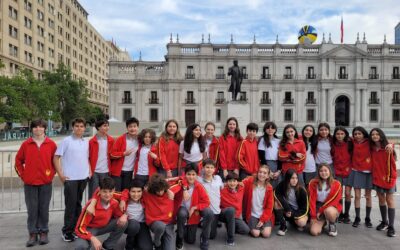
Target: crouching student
x,y
107,218
248,152
258,203
231,203
193,202
291,203
325,194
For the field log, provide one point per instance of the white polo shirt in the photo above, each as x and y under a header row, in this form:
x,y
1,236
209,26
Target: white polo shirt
x,y
271,153
213,189
74,154
195,154
102,159
129,161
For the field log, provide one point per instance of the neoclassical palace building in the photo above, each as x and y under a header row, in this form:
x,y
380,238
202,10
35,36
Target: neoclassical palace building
x,y
342,84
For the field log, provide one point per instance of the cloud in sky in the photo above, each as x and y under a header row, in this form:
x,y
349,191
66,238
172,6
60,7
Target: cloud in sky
x,y
145,25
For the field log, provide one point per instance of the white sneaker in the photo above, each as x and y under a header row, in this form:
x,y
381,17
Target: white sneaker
x,y
332,230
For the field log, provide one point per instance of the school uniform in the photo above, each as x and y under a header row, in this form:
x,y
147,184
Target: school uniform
x,y
258,204
168,152
360,176
341,162
228,146
195,155
212,151
269,156
99,159
34,165
384,172
122,166
323,152
322,199
310,167
145,165
289,161
104,221
248,158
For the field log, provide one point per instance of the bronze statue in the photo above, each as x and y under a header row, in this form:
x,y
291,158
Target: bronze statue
x,y
236,79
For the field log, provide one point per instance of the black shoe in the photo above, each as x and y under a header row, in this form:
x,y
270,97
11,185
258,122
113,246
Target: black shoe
x,y
391,232
179,243
346,219
204,244
75,236
368,222
158,248
356,222
43,238
282,229
382,226
32,240
105,248
341,218
68,237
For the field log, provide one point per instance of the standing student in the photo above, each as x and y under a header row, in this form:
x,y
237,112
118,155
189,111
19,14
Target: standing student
x,y
107,218
73,171
310,141
124,154
211,143
34,165
292,151
192,147
168,149
342,149
193,203
268,147
229,143
248,152
291,203
384,175
325,195
99,154
258,203
147,159
324,146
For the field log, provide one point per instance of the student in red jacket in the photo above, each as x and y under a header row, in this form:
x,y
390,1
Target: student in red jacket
x,y
108,218
168,149
123,153
147,159
248,152
99,154
229,143
342,149
212,144
384,175
258,203
194,205
192,148
292,151
34,165
325,194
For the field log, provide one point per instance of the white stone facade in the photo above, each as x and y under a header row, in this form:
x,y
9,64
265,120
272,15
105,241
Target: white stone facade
x,y
303,84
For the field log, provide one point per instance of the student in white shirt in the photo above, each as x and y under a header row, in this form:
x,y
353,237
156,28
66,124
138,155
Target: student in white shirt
x,y
192,147
310,140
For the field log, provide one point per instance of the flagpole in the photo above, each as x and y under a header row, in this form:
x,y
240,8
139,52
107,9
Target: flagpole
x,y
341,30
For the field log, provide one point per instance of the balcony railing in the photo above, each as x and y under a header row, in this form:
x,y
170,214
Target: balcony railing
x,y
396,76
220,100
288,101
190,76
373,76
395,101
343,76
265,101
153,100
311,76
288,76
219,76
374,101
126,100
265,76
190,101
311,101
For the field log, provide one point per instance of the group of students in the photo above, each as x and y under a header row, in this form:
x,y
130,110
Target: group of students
x,y
143,185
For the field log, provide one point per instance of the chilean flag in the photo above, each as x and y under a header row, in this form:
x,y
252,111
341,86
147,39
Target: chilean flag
x,y
341,31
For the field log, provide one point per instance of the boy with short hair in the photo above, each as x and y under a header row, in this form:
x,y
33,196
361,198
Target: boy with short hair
x,y
73,171
248,152
99,154
34,165
123,153
108,218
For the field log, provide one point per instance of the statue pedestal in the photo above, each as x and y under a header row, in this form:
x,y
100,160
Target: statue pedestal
x,y
238,109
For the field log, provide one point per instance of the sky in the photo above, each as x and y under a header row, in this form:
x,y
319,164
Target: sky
x,y
145,25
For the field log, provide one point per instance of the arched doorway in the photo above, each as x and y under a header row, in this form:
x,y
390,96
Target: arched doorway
x,y
342,111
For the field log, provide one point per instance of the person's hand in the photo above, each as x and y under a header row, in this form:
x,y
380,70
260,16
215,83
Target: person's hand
x,y
91,208
318,215
63,178
96,243
186,195
153,155
259,224
288,214
170,194
389,148
299,155
191,211
128,152
313,221
169,174
236,171
122,205
122,220
225,173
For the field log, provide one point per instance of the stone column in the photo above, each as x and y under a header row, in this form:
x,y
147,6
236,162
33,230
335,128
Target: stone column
x,y
323,106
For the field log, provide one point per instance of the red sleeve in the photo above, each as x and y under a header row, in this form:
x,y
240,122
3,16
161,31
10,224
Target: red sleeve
x,y
301,148
313,199
204,201
222,156
334,200
116,150
124,195
20,161
162,154
268,206
156,162
283,155
242,156
81,226
116,211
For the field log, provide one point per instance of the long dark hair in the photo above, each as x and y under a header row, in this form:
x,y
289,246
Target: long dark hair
x,y
237,130
312,140
284,139
189,139
382,139
265,136
288,175
362,130
177,136
346,139
326,125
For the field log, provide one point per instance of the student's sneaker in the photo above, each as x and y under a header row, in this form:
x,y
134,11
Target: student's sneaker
x,y
204,244
346,219
75,236
332,230
32,240
391,232
341,218
68,237
179,243
383,226
43,239
282,229
230,243
356,222
368,222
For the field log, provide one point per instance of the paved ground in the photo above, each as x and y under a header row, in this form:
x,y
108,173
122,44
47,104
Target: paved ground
x,y
13,234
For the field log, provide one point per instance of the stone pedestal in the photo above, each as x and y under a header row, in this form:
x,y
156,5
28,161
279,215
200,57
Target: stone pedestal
x,y
238,109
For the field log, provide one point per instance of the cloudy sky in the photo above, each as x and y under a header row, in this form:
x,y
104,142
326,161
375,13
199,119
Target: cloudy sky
x,y
146,25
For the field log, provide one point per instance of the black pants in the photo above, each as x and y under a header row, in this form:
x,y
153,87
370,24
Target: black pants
x,y
138,236
188,232
227,216
73,193
123,181
37,199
